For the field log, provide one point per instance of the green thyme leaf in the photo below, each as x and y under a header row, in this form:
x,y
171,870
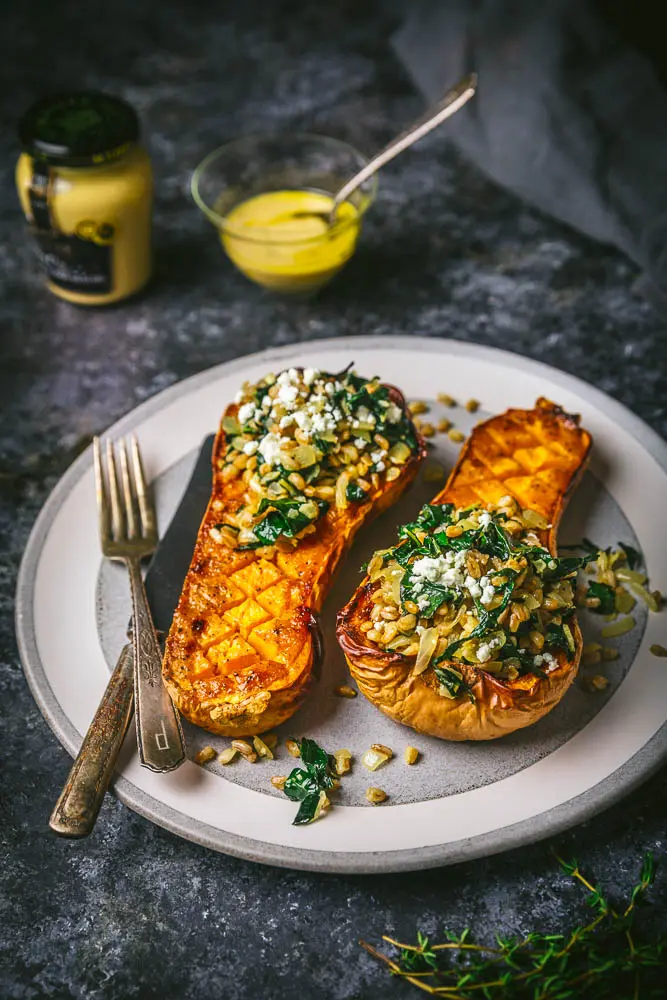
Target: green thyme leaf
x,y
608,958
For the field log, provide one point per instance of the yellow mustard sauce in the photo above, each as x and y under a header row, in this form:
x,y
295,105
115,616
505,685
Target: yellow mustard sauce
x,y
86,189
274,241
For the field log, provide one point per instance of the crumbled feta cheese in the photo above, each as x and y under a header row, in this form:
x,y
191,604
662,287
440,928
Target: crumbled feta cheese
x,y
286,420
542,658
289,377
250,447
303,421
393,413
239,397
269,447
485,649
484,519
360,443
309,375
246,412
377,456
364,416
472,586
287,394
488,590
439,569
267,403
323,422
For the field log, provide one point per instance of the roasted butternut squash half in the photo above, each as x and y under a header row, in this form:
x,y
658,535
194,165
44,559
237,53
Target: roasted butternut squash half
x,y
300,462
466,628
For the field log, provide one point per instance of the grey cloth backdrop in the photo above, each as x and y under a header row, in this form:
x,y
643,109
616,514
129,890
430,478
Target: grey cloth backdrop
x,y
568,115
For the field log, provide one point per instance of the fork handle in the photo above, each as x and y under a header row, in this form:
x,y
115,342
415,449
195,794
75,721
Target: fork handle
x,y
79,803
159,733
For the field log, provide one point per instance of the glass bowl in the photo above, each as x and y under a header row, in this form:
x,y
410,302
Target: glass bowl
x,y
255,165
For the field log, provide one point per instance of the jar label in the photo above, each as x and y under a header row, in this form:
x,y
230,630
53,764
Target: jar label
x,y
77,262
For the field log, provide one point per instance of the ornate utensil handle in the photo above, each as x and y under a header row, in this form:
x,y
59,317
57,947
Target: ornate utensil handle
x,y
159,733
76,810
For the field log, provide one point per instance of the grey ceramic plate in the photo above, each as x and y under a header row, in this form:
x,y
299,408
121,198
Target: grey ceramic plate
x,y
461,800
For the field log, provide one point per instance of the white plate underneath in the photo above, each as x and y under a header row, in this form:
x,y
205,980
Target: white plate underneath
x,y
461,800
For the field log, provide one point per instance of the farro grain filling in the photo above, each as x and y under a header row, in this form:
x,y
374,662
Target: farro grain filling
x,y
474,586
305,440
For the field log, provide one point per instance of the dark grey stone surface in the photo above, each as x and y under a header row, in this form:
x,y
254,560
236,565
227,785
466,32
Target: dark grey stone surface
x,y
135,912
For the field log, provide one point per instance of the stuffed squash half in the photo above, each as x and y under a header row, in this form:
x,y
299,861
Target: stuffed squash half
x,y
300,462
466,628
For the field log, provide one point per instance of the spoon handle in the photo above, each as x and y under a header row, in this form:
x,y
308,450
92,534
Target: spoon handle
x,y
449,105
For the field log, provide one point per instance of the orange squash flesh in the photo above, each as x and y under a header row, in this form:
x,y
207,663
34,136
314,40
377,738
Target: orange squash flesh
x,y
536,456
244,642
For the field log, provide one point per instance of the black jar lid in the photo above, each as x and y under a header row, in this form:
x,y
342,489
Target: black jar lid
x,y
79,129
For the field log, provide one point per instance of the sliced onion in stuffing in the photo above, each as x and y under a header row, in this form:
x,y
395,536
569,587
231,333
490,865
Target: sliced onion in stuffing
x,y
428,640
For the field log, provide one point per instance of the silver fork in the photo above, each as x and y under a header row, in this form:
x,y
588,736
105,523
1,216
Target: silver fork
x,y
128,533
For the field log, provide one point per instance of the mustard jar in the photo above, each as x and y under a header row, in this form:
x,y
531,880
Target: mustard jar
x,y
86,189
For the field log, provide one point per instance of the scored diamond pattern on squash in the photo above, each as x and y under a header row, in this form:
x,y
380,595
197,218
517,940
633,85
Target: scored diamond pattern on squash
x,y
529,463
256,577
246,616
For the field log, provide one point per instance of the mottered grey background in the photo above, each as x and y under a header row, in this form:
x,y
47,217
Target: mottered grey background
x,y
134,911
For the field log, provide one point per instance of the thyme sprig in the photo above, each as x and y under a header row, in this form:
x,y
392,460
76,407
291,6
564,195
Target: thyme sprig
x,y
599,960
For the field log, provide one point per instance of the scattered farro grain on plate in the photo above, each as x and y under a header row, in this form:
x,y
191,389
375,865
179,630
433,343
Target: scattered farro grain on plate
x,y
376,795
262,748
596,683
345,691
245,749
205,755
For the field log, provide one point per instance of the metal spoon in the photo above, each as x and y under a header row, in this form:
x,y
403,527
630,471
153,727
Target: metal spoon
x,y
449,105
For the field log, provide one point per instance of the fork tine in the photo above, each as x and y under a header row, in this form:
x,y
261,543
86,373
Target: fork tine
x,y
146,509
101,494
117,521
128,493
